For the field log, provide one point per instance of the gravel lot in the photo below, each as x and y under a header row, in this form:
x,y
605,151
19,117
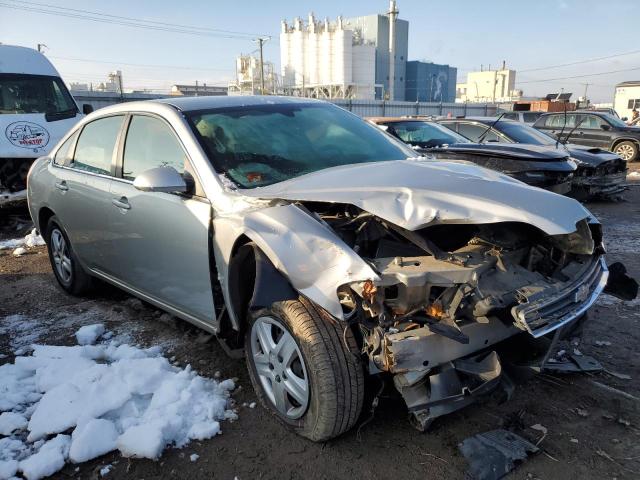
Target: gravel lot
x,y
592,432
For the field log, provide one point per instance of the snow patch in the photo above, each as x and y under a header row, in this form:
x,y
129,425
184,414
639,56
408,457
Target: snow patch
x,y
29,241
111,396
88,334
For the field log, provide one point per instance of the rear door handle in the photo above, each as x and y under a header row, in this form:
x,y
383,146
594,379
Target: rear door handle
x,y
122,202
62,186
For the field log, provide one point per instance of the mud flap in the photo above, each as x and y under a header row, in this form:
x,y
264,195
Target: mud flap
x,y
620,284
456,385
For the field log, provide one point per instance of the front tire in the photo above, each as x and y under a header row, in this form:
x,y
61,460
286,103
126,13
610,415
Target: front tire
x,y
66,268
627,151
302,371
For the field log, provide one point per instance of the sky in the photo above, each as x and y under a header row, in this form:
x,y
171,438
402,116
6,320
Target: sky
x,y
529,35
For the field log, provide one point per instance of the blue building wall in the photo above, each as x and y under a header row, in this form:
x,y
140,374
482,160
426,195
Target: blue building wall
x,y
430,82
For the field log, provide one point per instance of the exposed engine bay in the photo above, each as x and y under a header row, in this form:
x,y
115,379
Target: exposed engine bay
x,y
449,292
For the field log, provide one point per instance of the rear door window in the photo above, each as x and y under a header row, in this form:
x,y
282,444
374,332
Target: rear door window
x,y
95,147
151,143
558,121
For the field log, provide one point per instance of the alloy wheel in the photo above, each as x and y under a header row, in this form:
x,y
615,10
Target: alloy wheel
x,y
625,151
61,257
280,367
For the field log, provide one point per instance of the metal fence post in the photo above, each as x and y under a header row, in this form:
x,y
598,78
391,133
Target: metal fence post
x,y
383,108
417,108
440,108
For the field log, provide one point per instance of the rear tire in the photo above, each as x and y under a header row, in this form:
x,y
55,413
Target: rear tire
x,y
332,400
627,151
66,268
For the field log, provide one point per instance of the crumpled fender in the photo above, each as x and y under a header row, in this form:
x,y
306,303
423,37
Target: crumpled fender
x,y
307,252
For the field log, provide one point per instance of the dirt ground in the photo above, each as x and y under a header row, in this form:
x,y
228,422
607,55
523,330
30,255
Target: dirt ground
x,y
593,433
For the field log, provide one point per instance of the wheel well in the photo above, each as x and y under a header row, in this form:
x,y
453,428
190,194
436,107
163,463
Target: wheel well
x,y
620,140
253,283
43,218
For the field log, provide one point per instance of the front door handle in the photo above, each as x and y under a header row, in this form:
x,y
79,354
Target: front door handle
x,y
62,186
122,202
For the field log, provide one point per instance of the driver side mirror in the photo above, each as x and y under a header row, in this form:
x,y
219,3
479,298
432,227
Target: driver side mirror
x,y
160,179
87,108
624,119
604,126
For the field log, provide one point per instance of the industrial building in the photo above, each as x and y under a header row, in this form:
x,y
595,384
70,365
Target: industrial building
x,y
359,58
627,98
326,60
249,77
198,90
489,86
430,82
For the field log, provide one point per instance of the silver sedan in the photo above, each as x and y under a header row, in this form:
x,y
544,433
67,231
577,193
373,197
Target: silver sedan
x,y
317,245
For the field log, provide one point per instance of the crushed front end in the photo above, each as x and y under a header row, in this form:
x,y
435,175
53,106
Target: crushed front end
x,y
603,177
446,295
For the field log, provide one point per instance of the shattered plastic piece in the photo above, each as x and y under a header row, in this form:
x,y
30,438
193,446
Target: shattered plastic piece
x,y
574,440
602,343
18,252
491,455
194,457
575,364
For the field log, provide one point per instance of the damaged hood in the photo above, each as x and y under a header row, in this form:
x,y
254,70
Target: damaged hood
x,y
508,150
592,156
416,193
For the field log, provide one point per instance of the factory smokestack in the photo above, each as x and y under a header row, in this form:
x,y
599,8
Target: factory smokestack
x,y
393,15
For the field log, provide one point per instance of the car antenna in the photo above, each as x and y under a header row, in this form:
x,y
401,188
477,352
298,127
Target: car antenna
x,y
493,124
565,124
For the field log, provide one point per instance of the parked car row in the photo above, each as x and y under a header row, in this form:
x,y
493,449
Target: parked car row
x,y
516,149
324,249
593,129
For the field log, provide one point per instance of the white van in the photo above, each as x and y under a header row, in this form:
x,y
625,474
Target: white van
x,y
36,110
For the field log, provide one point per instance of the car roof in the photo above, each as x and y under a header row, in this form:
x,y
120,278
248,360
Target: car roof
x,y
187,104
486,120
593,112
398,119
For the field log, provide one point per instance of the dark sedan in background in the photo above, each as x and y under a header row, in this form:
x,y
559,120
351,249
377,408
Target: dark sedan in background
x,y
538,166
600,173
593,129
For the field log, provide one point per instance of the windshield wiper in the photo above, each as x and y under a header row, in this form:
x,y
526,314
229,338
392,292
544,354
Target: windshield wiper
x,y
493,124
566,139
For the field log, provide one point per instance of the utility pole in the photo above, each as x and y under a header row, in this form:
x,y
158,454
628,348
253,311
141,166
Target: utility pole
x,y
586,86
261,41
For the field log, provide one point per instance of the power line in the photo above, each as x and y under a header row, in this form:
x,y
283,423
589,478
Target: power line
x,y
133,23
115,62
578,62
139,20
579,76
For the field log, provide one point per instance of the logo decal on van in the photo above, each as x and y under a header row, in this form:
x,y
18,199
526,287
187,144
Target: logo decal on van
x,y
27,135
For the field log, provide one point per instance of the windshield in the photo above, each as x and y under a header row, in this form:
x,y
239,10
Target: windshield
x,y
424,134
34,94
615,121
264,144
522,133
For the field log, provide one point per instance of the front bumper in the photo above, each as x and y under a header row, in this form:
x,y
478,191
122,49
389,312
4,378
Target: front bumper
x,y
543,313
